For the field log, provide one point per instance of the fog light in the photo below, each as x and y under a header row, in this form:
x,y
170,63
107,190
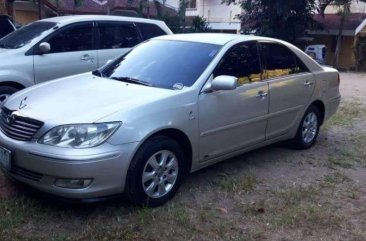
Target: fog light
x,y
73,183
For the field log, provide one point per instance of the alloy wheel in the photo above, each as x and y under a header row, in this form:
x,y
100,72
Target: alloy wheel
x,y
160,174
309,127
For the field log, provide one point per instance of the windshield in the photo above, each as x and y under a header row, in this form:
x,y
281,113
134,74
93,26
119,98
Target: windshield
x,y
25,35
164,64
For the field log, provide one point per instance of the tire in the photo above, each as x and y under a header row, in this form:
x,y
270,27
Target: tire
x,y
5,93
305,141
155,189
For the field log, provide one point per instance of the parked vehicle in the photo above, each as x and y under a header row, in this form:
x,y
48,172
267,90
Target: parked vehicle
x,y
317,52
172,105
62,46
6,26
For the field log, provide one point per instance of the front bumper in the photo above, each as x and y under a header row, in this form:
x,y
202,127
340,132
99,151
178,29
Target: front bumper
x,y
39,166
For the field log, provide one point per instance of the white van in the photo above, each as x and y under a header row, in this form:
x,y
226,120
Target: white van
x,y
63,46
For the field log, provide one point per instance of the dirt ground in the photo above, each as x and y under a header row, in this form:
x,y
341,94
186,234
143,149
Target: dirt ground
x,y
269,194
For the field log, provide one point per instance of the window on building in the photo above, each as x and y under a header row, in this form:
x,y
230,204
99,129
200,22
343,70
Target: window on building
x,y
192,4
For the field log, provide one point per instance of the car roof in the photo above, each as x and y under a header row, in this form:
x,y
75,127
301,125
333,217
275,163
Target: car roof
x,y
212,38
82,18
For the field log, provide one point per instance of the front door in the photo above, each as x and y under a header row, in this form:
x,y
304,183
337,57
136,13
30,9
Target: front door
x,y
291,86
72,52
232,120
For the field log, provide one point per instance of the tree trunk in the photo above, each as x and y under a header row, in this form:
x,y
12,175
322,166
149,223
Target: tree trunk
x,y
339,42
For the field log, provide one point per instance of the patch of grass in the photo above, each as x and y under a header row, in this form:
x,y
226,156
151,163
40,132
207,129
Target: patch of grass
x,y
294,195
16,210
336,178
145,215
298,207
179,215
238,185
340,160
348,156
352,193
249,236
307,214
206,213
346,113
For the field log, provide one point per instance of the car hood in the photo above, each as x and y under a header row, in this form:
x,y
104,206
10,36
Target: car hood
x,y
6,52
82,99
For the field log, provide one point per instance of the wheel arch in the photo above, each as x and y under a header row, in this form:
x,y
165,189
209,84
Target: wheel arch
x,y
12,84
321,107
178,136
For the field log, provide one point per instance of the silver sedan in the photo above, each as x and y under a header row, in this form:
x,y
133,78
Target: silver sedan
x,y
171,106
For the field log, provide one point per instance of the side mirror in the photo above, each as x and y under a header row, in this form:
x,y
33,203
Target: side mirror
x,y
222,82
44,48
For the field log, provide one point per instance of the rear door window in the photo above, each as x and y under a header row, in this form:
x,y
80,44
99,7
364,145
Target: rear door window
x,y
280,61
149,30
117,35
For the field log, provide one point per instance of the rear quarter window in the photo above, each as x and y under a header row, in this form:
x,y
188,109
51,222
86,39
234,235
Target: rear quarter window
x,y
149,30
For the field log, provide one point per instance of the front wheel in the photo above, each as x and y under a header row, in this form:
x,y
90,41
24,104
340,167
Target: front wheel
x,y
156,172
308,130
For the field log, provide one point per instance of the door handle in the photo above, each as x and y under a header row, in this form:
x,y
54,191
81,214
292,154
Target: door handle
x,y
86,57
308,83
261,95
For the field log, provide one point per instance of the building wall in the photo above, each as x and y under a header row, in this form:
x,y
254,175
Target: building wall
x,y
346,56
219,16
25,12
25,17
2,7
356,7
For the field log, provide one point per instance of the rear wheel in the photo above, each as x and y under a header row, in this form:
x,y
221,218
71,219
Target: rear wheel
x,y
156,172
5,93
308,130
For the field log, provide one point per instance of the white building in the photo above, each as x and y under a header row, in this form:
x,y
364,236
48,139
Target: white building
x,y
356,7
221,17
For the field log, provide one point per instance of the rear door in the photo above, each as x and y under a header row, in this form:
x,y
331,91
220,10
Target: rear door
x,y
72,52
115,39
291,86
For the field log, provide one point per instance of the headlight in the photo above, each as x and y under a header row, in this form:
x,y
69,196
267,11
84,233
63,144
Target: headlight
x,y
79,136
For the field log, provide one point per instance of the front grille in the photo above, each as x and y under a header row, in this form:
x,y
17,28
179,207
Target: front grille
x,y
18,127
34,176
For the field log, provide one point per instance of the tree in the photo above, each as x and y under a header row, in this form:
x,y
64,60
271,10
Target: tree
x,y
182,13
344,10
199,25
283,19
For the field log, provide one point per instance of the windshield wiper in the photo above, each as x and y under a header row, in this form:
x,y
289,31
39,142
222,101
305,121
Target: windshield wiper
x,y
98,73
132,80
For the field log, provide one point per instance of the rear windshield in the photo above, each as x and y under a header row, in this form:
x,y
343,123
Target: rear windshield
x,y
25,35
